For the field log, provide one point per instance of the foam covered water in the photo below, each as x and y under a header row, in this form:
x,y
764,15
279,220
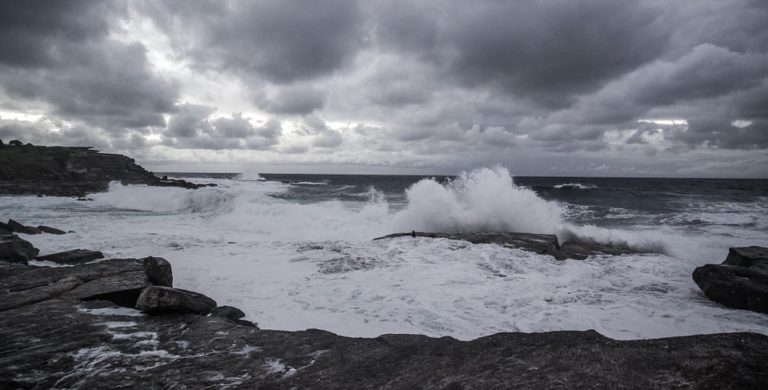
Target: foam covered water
x,y
294,257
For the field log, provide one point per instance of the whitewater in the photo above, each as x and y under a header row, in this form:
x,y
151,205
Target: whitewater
x,y
293,262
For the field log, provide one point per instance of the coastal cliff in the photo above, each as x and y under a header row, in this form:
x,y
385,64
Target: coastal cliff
x,y
69,171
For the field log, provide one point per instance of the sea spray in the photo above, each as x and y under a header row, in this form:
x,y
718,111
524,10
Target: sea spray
x,y
485,199
164,199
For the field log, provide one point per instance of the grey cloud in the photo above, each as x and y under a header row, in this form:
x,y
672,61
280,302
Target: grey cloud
x,y
280,41
189,121
192,127
721,133
328,139
60,53
551,51
295,100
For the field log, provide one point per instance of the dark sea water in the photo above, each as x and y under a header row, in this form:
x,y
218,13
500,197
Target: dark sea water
x,y
695,204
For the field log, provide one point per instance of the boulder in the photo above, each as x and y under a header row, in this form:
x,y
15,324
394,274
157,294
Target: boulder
x,y
21,228
50,230
158,300
71,257
740,282
16,250
751,256
229,312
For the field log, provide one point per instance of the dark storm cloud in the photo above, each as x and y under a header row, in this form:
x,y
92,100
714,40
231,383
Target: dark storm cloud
x,y
60,53
280,41
295,101
192,127
431,82
722,133
546,52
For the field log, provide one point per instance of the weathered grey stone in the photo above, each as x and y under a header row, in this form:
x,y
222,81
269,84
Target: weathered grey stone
x,y
50,230
158,300
75,347
741,281
755,257
52,340
116,280
21,228
16,250
71,257
230,312
574,248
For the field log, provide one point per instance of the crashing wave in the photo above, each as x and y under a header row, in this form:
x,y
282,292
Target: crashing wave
x,y
574,186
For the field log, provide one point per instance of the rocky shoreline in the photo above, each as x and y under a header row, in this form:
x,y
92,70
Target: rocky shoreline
x,y
574,248
70,171
120,323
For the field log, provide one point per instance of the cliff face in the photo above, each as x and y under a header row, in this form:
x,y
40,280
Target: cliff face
x,y
69,171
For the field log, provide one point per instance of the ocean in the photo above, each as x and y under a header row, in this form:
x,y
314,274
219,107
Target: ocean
x,y
296,251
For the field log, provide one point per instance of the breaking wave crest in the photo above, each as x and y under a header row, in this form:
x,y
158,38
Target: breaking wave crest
x,y
485,199
574,186
165,199
249,176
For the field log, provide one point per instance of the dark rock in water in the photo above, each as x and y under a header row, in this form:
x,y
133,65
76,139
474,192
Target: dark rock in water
x,y
230,312
751,256
50,230
21,228
70,171
741,281
158,300
16,250
53,339
74,256
574,248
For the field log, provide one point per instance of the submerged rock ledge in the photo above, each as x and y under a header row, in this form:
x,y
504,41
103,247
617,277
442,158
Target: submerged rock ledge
x,y
77,327
70,171
547,244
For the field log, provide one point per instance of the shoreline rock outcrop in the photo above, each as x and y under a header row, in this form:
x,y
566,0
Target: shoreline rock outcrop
x,y
740,282
574,248
79,327
70,171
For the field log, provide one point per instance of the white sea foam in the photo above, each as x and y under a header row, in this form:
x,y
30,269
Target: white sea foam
x,y
577,186
249,176
482,200
297,266
311,183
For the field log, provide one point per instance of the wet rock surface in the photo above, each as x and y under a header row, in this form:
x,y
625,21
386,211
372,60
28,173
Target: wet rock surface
x,y
72,257
740,282
76,327
574,248
15,249
17,227
50,230
70,171
158,300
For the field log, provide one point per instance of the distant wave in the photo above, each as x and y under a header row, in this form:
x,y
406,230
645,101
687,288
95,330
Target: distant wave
x,y
576,186
249,176
311,183
165,199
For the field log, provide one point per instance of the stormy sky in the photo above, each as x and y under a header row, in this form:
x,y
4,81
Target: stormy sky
x,y
547,87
